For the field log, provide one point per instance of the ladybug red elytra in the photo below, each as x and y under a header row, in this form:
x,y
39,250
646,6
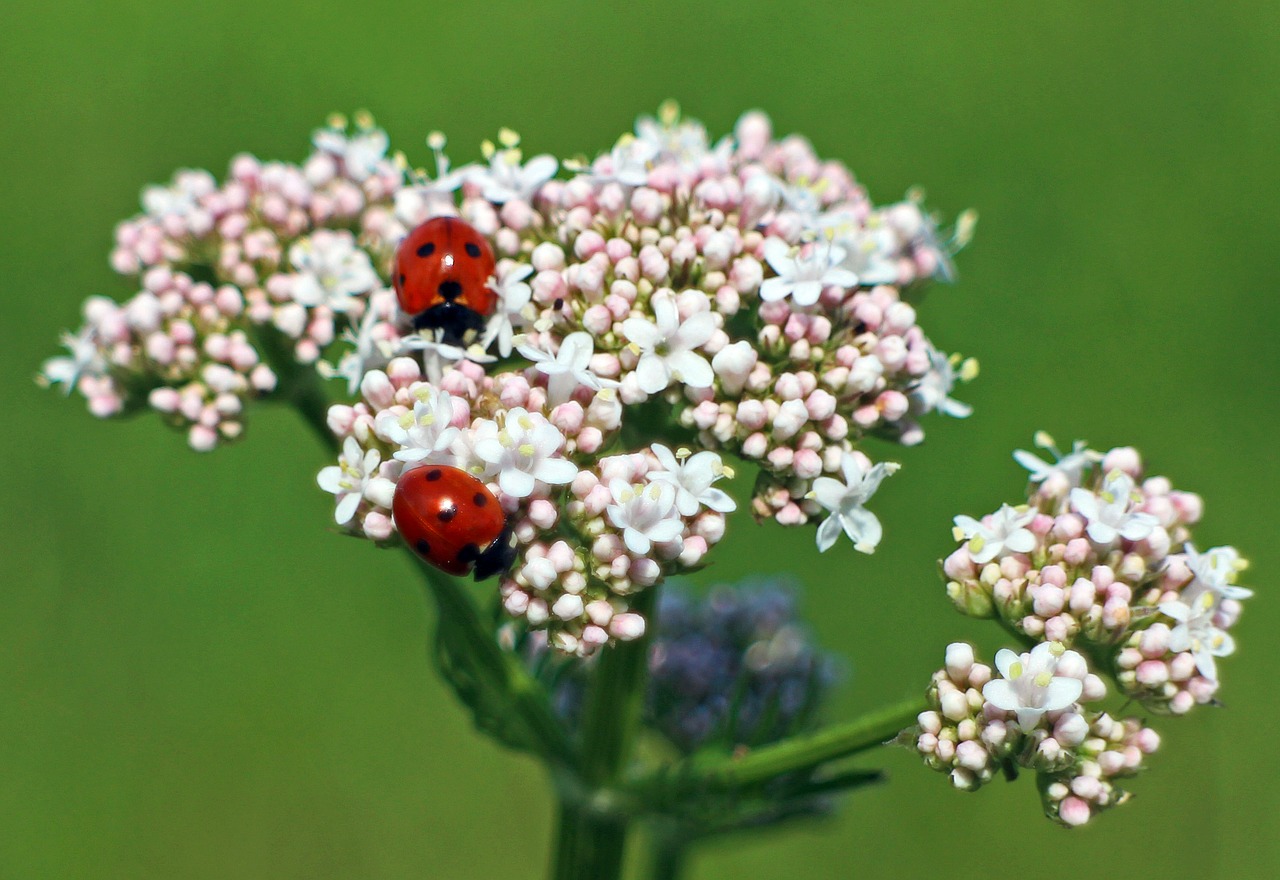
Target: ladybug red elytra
x,y
442,278
453,521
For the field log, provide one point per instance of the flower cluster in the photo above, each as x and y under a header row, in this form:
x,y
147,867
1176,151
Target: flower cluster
x,y
1098,563
591,528
1101,557
1030,712
745,295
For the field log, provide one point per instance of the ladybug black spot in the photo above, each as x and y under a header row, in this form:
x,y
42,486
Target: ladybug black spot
x,y
427,249
435,474
446,514
469,553
473,250
558,305
423,547
402,280
479,499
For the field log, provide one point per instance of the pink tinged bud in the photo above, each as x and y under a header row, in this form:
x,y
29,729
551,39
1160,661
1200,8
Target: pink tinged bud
x,y
959,566
791,417
163,399
971,756
1073,811
202,438
1182,666
821,405
790,515
1152,673
568,607
954,706
946,750
959,661
1202,689
607,547
755,446
1076,552
549,286
692,551
543,514
1094,689
1123,458
780,458
1058,628
1154,641
378,526
597,500
1188,505
627,627
516,603
590,440
1071,729
1048,600
1115,613
1147,741
377,389
806,464
752,414
653,265
898,318
1082,596
704,414
1067,527
643,571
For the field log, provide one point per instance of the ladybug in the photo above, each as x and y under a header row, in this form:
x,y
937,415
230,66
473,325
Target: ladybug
x,y
442,278
453,521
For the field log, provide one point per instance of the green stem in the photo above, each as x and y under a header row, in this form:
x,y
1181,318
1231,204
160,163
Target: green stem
x,y
669,858
593,824
499,670
720,772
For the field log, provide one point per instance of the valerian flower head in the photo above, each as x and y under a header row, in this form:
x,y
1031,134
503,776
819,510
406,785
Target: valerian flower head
x,y
667,347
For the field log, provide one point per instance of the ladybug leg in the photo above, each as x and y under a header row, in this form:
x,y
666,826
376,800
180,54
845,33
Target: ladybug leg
x,y
498,556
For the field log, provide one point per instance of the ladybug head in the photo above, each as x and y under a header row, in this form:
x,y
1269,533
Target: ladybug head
x,y
458,322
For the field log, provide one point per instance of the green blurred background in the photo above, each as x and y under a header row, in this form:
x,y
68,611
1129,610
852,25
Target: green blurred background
x,y
199,680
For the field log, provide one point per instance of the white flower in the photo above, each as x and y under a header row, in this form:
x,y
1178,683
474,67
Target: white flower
x,y
354,478
1029,686
424,434
1007,533
872,251
522,454
1196,632
1072,465
567,368
331,270
513,303
435,354
360,153
464,448
644,513
1109,512
367,351
933,391
1215,569
692,479
666,346
85,360
845,501
505,179
423,197
672,139
803,276
629,163
182,197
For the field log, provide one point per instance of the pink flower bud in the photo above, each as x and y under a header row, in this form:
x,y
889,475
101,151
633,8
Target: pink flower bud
x,y
1123,458
627,627
755,446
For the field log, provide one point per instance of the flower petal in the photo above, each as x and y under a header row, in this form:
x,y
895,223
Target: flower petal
x,y
828,532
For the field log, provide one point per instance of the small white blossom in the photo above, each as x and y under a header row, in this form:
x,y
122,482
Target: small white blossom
x,y
1072,465
568,368
845,501
182,197
1007,533
1029,685
666,346
629,163
367,352
933,391
1215,569
354,478
672,139
872,250
423,197
1109,512
646,514
505,179
435,354
424,434
803,275
1195,631
360,154
85,360
523,453
692,479
331,270
514,295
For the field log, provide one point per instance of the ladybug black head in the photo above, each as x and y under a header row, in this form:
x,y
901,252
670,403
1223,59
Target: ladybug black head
x,y
497,557
458,322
